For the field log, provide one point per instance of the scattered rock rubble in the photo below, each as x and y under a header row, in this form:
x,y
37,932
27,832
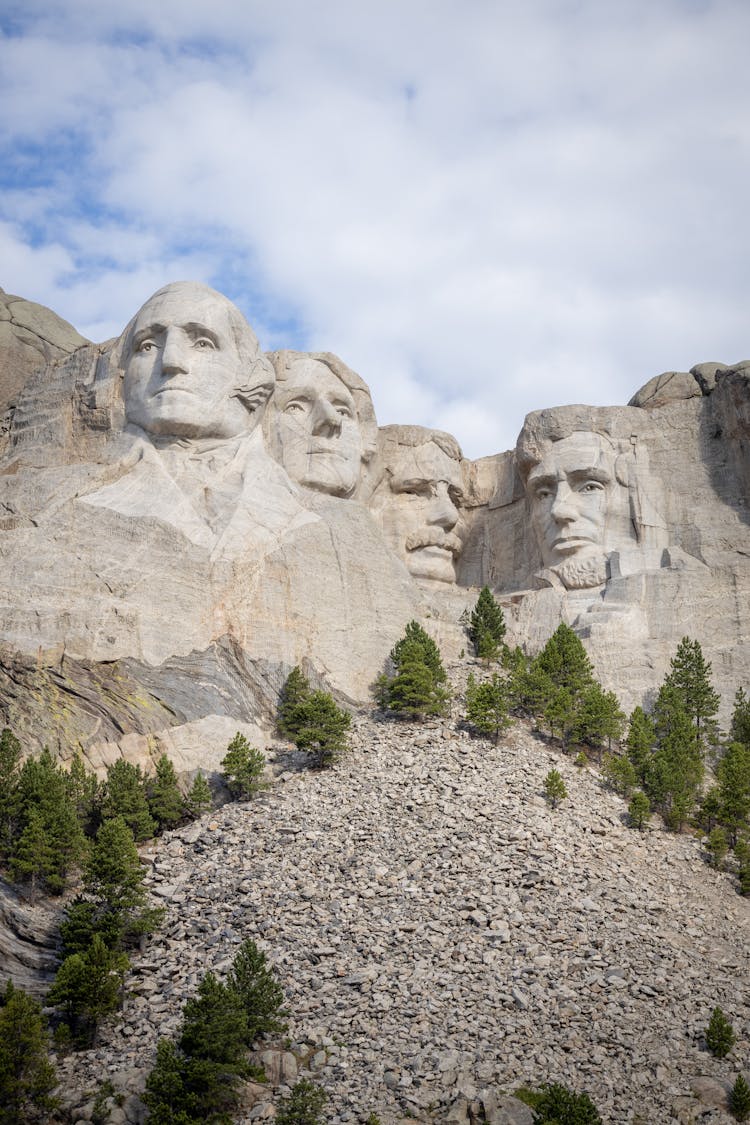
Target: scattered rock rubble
x,y
443,937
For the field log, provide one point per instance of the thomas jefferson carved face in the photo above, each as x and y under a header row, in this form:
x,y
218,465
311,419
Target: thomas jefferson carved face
x,y
317,428
184,371
419,509
575,499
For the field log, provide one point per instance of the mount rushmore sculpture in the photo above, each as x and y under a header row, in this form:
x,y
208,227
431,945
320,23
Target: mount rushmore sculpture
x,y
184,518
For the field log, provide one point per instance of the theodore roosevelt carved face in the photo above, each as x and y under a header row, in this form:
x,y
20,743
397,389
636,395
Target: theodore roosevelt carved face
x,y
418,500
322,425
192,367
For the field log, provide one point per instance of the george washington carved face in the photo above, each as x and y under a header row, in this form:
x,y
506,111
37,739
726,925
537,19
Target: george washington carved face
x,y
191,366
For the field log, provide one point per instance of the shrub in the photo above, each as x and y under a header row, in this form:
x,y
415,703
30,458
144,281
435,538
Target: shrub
x,y
303,1106
261,994
639,810
555,1104
242,768
739,1099
719,1034
554,788
27,1078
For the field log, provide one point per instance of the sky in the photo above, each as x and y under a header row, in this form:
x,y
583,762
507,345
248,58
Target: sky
x,y
484,207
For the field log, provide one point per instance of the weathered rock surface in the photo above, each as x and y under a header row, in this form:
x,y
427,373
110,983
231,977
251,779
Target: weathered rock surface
x,y
30,337
442,936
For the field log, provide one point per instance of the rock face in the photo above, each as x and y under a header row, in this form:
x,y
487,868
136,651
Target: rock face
x,y
442,936
183,519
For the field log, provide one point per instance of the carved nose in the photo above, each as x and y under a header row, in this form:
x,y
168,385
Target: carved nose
x,y
174,358
563,509
326,419
442,512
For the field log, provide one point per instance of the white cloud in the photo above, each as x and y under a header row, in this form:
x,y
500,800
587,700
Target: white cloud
x,y
484,207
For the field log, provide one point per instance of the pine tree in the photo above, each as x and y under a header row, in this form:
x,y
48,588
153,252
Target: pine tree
x,y
620,774
599,720
739,1099
487,627
640,742
303,1106
487,705
43,791
639,810
322,728
27,1077
564,660
125,796
720,1035
199,797
242,768
414,640
740,728
733,772
690,675
296,691
34,860
165,801
676,768
717,847
167,1094
257,987
10,763
414,692
555,1104
85,793
554,788
88,986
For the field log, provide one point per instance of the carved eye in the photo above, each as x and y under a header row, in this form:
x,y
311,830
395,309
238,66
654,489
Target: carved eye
x,y
542,493
344,411
204,343
294,408
146,346
592,486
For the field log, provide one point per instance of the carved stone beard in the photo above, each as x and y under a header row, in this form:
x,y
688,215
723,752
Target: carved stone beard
x,y
582,573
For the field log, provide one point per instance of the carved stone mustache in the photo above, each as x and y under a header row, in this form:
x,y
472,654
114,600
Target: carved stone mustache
x,y
434,537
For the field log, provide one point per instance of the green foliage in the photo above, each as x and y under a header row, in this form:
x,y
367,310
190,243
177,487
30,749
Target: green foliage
x,y
719,1034
487,626
259,991
690,677
295,692
416,687
27,1077
717,846
565,662
676,768
640,743
195,1080
199,797
740,728
114,902
554,1104
639,810
599,718
46,822
709,809
85,793
322,728
165,801
125,796
739,1099
416,642
88,986
242,768
733,773
554,788
10,764
304,1105
487,705
620,773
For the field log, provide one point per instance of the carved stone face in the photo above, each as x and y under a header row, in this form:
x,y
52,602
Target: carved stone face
x,y
420,510
575,498
317,428
184,369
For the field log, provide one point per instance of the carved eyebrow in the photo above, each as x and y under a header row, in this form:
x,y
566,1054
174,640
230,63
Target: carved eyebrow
x,y
600,475
194,329
144,333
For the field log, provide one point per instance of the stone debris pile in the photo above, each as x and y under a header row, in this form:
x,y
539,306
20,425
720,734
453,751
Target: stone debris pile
x,y
443,936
